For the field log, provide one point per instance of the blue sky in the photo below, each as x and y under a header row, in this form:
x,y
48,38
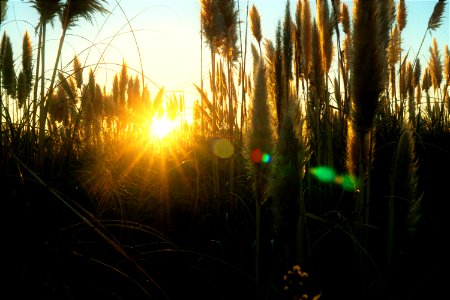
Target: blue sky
x,y
168,40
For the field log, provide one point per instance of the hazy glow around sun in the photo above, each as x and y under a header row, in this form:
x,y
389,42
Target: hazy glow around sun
x,y
162,127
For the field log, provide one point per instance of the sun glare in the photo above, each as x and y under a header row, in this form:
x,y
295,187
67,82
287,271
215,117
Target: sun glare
x,y
161,127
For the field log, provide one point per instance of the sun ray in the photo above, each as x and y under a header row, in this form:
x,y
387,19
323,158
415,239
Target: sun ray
x,y
162,127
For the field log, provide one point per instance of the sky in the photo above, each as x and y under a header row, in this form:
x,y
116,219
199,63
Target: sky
x,y
162,38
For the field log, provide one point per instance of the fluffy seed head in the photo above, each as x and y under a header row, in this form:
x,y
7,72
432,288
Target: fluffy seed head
x,y
345,18
401,15
447,64
435,65
436,17
255,23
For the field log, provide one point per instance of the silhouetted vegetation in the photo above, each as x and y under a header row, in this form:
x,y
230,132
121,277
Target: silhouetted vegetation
x,y
319,173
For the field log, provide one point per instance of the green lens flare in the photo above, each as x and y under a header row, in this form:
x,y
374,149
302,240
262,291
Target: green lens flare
x,y
324,174
328,175
266,158
257,156
349,183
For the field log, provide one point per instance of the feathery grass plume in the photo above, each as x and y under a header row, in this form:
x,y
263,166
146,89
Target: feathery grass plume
x,y
66,85
24,80
410,91
325,26
417,73
213,26
146,100
435,65
401,22
67,90
402,81
2,47
55,107
409,86
21,89
317,94
98,105
280,86
426,79
89,98
426,85
229,36
115,89
367,81
394,55
27,68
299,60
212,23
347,48
260,142
401,15
345,18
307,37
288,47
447,64
447,75
47,10
8,73
130,93
387,9
435,20
123,82
317,71
271,60
288,202
63,104
78,71
368,75
137,91
256,58
76,9
404,186
260,136
255,25
3,10
418,95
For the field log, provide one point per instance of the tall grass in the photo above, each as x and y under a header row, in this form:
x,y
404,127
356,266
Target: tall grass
x,y
223,203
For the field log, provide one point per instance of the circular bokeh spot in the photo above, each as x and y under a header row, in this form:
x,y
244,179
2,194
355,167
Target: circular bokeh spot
x,y
266,158
222,148
256,156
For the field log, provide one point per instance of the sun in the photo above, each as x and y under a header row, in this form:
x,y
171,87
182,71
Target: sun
x,y
162,126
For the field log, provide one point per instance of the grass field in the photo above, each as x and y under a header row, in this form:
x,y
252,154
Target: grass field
x,y
319,172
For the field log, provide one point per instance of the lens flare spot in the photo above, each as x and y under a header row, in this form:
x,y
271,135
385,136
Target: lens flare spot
x,y
266,158
256,156
324,174
223,148
349,183
162,127
328,175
